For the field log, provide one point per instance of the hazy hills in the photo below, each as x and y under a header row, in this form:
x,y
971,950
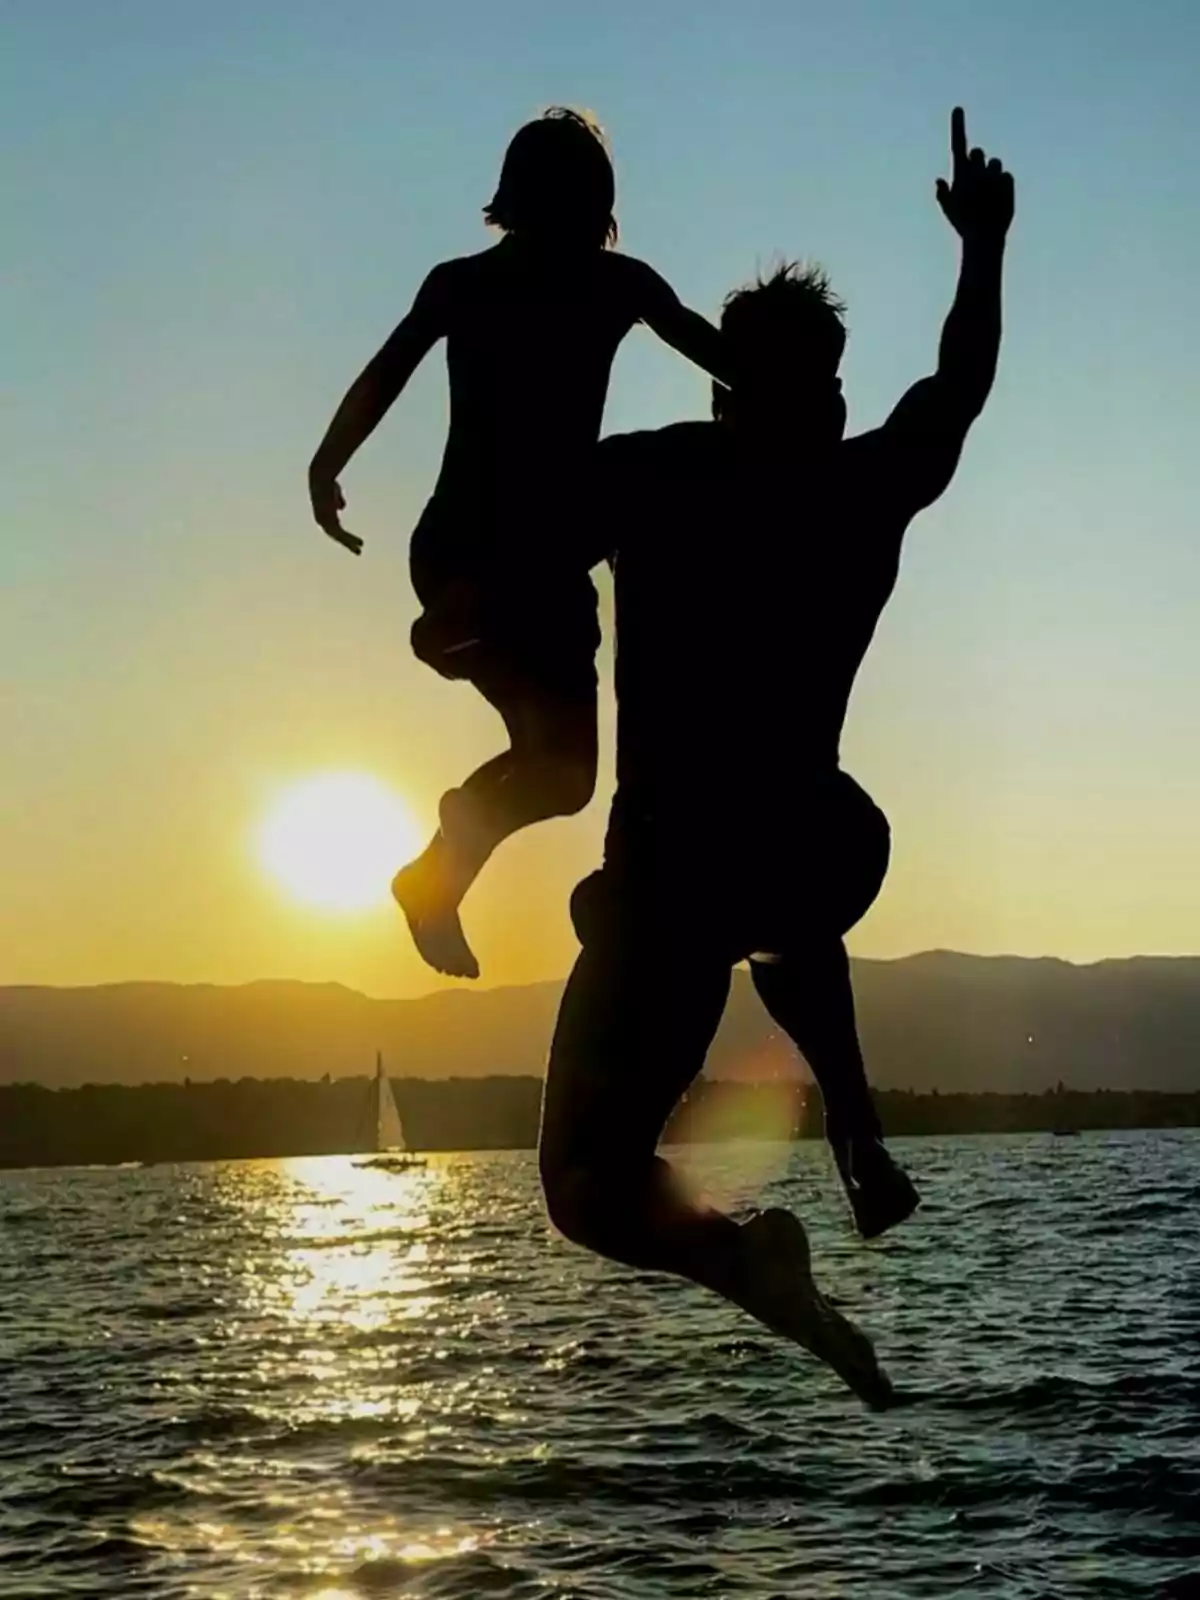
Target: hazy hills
x,y
938,1021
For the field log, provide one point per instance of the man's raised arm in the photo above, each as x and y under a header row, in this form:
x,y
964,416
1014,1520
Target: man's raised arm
x,y
978,204
933,417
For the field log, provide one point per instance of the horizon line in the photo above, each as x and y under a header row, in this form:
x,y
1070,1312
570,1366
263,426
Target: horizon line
x,y
539,983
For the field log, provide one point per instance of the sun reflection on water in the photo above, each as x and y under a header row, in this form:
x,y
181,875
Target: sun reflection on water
x,y
354,1244
339,1287
380,1563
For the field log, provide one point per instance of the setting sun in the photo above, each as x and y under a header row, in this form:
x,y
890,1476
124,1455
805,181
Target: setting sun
x,y
335,840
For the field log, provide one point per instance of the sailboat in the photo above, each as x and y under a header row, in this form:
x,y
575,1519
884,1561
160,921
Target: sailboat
x,y
385,1132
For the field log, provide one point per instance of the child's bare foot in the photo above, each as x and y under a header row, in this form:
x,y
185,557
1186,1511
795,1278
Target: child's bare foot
x,y
427,893
781,1293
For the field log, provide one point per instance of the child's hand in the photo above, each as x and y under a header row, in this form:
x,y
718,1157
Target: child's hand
x,y
328,502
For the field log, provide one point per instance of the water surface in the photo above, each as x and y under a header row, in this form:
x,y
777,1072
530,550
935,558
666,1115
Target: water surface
x,y
306,1379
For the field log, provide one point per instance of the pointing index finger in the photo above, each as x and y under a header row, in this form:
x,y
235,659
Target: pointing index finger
x,y
958,138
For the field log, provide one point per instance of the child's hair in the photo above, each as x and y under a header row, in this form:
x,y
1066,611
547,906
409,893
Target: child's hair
x,y
557,180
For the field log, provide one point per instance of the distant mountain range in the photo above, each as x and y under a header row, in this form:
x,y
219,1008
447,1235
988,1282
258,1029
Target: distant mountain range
x,y
938,1021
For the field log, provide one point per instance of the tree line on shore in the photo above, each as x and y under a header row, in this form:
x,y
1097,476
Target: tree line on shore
x,y
225,1119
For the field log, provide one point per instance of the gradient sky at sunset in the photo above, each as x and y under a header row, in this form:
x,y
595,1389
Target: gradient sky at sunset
x,y
213,215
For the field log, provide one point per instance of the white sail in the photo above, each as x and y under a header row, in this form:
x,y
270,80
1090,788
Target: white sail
x,y
389,1131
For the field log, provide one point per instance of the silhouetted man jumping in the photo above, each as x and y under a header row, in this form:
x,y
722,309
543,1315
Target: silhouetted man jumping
x,y
754,556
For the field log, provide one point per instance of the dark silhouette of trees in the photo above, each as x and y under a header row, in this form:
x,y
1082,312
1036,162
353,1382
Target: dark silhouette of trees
x,y
223,1119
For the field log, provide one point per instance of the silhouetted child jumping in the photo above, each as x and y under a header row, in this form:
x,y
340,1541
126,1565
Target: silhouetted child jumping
x,y
531,327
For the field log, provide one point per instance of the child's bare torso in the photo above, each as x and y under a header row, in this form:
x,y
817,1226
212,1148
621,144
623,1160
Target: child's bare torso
x,y
530,342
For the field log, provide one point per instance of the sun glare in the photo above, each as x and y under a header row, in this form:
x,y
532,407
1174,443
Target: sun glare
x,y
335,840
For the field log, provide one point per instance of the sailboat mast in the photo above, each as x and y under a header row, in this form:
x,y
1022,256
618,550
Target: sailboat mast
x,y
379,1081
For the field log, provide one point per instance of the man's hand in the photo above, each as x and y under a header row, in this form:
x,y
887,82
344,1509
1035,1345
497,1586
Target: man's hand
x,y
979,199
328,502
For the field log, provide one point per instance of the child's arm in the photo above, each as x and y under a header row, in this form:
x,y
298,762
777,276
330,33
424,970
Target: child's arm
x,y
665,314
368,400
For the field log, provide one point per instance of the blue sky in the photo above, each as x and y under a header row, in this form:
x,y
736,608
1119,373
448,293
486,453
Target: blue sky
x,y
217,212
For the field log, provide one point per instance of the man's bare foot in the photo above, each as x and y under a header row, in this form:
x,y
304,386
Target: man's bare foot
x,y
781,1293
880,1193
427,893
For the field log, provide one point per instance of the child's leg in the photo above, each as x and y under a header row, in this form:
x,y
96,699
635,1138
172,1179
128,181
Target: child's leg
x,y
549,770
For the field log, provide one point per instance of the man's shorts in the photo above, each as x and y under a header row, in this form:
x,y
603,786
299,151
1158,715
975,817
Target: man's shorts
x,y
812,870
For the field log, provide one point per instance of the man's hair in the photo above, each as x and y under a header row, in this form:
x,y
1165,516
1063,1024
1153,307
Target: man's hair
x,y
794,298
557,179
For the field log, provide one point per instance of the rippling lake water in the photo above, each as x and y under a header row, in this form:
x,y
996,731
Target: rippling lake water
x,y
303,1378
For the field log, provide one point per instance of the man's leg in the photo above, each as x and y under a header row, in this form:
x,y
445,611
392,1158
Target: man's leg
x,y
626,1046
632,1034
811,997
549,770
809,994
836,868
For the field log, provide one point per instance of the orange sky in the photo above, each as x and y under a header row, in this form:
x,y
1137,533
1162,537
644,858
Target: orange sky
x,y
155,871
212,241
